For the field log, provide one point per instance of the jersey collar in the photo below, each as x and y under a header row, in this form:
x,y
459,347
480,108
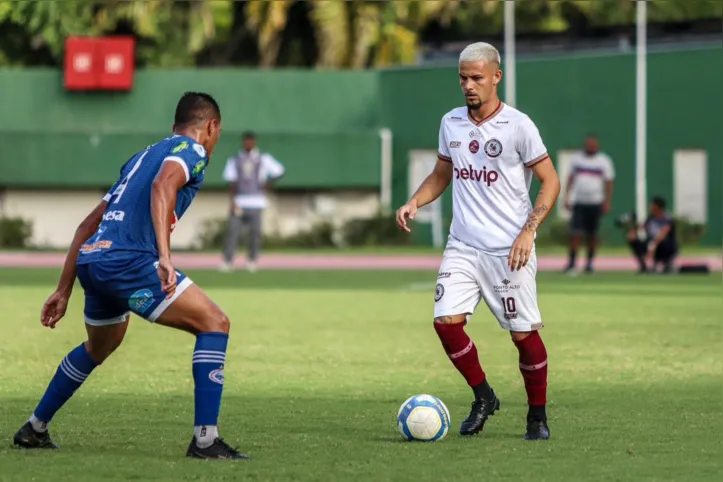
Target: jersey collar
x,y
478,123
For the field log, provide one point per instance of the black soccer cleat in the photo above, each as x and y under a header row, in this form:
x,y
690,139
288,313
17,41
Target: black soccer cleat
x,y
28,438
481,409
217,450
537,430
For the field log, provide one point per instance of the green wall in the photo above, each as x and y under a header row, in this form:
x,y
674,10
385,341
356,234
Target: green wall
x,y
323,125
320,126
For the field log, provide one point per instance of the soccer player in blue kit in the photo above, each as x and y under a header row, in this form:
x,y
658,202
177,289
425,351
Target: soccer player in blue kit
x,y
121,255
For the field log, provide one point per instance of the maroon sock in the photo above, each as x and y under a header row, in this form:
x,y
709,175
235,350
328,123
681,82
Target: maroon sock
x,y
461,350
533,366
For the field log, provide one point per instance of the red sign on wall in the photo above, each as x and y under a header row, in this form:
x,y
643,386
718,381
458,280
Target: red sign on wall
x,y
106,63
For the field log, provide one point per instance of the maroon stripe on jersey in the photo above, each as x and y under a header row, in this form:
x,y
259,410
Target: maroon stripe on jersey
x,y
480,122
444,158
538,160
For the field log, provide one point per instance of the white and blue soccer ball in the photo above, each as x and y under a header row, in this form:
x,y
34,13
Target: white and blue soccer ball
x,y
423,418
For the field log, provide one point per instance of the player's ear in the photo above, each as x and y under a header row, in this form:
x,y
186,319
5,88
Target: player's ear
x,y
498,76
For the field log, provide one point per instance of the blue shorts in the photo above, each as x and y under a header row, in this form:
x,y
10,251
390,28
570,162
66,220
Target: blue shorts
x,y
115,288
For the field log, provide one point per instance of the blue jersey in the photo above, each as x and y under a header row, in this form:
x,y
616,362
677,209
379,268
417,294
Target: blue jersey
x,y
126,230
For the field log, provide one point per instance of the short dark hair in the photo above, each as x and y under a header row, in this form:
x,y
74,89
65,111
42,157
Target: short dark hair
x,y
248,135
196,107
659,201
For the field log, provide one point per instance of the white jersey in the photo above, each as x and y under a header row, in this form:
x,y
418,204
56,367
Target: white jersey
x,y
589,175
491,181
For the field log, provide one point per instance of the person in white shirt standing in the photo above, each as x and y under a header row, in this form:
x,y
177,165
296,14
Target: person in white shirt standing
x,y
588,195
489,151
249,174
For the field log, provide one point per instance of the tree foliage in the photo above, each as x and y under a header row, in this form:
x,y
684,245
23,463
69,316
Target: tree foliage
x,y
339,34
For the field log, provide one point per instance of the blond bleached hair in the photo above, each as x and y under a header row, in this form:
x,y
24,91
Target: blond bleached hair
x,y
480,52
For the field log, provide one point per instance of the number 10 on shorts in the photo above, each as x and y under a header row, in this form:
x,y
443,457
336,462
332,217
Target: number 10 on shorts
x,y
508,304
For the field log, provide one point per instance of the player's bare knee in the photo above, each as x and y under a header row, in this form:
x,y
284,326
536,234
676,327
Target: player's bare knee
x,y
100,350
450,320
520,335
218,323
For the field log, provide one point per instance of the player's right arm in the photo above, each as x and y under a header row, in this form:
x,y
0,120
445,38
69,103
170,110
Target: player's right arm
x,y
169,180
186,163
54,308
568,186
230,176
432,187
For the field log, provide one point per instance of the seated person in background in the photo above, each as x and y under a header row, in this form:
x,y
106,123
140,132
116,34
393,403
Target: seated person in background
x,y
659,246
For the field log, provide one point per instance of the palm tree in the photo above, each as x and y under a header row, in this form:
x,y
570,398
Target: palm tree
x,y
358,33
268,20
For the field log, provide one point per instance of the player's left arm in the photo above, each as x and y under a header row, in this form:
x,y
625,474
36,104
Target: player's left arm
x,y
659,238
545,172
609,182
273,170
54,308
533,154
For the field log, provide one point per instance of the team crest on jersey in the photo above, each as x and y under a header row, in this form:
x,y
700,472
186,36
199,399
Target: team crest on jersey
x,y
438,292
199,150
474,147
493,148
180,147
141,300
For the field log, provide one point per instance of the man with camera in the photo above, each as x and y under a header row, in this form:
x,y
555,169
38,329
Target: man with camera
x,y
659,247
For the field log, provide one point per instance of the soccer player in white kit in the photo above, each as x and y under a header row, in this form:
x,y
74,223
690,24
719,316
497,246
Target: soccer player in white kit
x,y
489,152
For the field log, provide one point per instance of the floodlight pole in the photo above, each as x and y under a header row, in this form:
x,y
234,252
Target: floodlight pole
x,y
641,92
509,60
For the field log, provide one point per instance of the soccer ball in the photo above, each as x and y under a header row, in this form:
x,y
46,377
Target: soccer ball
x,y
424,418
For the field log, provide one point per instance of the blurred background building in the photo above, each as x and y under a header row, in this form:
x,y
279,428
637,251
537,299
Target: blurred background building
x,y
349,95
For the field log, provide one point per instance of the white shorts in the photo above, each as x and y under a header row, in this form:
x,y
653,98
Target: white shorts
x,y
468,276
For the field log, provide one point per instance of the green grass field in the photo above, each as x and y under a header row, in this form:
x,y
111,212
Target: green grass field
x,y
319,363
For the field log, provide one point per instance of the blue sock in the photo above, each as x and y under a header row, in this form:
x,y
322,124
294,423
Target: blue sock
x,y
71,374
209,358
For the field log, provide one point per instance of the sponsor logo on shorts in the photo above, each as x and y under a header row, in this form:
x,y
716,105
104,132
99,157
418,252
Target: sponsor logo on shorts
x,y
505,286
493,148
454,144
97,246
216,376
480,175
438,292
444,274
141,300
